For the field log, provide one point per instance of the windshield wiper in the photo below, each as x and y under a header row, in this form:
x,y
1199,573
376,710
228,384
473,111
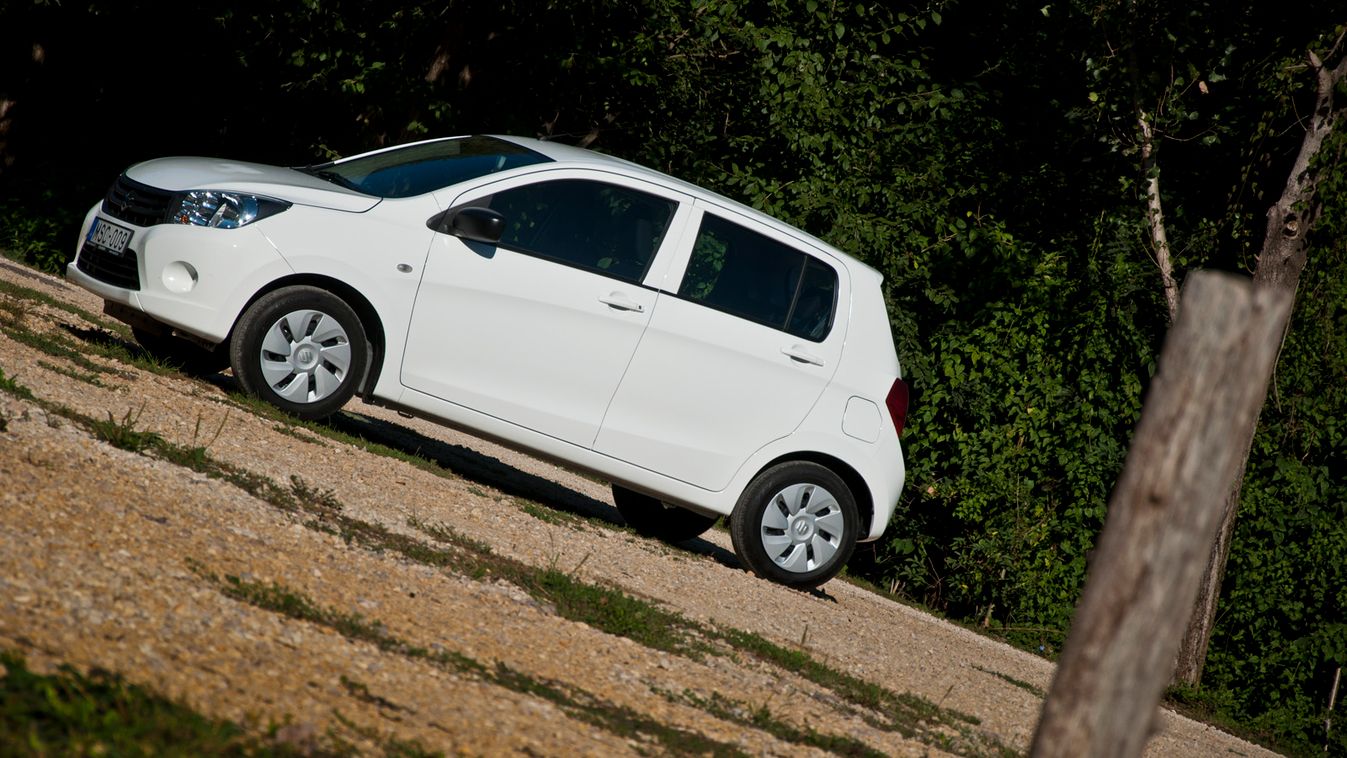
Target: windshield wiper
x,y
335,178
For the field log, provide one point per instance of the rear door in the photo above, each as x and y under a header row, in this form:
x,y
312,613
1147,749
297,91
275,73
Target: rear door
x,y
739,349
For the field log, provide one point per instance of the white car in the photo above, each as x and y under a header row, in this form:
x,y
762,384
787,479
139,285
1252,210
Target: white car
x,y
705,358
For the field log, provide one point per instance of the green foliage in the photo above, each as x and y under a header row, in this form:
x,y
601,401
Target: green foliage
x,y
37,239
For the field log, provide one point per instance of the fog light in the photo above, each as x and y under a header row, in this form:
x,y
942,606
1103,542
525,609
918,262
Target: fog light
x,y
179,277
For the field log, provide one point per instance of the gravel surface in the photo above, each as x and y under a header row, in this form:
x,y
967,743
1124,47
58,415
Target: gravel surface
x,y
121,560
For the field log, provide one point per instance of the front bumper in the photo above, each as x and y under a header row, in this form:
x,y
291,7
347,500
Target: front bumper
x,y
193,279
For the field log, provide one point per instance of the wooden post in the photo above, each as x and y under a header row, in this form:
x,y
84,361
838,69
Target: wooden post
x,y
1212,379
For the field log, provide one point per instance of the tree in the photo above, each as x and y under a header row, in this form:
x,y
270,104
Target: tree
x,y
1213,376
1285,249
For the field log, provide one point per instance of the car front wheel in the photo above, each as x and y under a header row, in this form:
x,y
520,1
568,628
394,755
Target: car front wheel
x,y
301,349
796,524
652,518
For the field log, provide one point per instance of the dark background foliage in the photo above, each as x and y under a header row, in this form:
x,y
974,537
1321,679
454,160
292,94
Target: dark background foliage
x,y
984,157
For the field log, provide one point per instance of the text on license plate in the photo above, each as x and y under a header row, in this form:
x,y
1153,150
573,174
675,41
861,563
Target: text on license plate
x,y
110,237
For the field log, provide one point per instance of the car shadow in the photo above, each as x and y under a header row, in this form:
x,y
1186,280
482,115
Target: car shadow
x,y
490,471
471,464
106,339
114,343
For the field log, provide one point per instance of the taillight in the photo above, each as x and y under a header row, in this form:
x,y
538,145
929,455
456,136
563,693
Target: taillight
x,y
897,404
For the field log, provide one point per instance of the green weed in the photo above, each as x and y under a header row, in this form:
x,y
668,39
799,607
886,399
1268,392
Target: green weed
x,y
123,434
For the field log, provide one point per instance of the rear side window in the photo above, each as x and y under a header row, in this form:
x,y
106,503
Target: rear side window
x,y
753,276
601,227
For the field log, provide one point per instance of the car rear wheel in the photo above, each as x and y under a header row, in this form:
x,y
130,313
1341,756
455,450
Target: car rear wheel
x,y
796,524
301,349
188,357
653,518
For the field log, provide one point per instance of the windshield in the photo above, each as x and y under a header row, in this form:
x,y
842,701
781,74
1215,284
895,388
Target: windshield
x,y
426,167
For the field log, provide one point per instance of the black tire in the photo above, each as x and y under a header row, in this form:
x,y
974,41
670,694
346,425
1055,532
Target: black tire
x,y
188,357
653,518
810,532
302,349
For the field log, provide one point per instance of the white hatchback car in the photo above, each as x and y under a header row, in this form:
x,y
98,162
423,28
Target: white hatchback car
x,y
707,359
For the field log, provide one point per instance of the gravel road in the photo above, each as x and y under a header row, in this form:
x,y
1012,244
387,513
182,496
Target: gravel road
x,y
132,563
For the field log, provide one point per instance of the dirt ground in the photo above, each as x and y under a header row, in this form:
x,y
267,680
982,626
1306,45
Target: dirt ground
x,y
129,562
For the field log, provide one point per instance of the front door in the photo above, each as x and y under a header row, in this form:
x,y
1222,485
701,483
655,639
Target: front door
x,y
538,329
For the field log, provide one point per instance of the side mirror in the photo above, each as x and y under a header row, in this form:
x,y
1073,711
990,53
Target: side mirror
x,y
471,223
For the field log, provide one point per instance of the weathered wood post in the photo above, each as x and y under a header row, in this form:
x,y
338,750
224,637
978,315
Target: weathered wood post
x,y
1119,655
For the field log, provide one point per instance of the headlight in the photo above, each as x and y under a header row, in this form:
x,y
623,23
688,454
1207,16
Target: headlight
x,y
224,210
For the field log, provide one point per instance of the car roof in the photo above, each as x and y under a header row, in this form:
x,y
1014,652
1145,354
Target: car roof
x,y
571,155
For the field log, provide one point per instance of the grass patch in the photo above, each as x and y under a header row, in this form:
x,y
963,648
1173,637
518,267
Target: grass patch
x,y
108,341
605,608
278,599
290,431
1027,687
392,747
69,713
14,312
912,716
619,720
54,346
72,373
18,291
551,515
361,692
761,717
10,385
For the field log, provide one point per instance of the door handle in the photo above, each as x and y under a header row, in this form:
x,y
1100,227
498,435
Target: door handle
x,y
621,302
799,355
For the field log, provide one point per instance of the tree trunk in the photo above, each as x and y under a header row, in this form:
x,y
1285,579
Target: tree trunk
x,y
1212,379
1278,268
1155,217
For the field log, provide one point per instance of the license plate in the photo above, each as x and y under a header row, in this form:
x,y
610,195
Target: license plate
x,y
110,237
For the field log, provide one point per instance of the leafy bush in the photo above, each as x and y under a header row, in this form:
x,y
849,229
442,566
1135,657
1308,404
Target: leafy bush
x,y
36,236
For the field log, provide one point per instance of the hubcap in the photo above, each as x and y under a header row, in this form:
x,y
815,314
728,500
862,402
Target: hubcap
x,y
305,356
801,527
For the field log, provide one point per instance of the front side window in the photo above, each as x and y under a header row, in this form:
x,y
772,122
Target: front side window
x,y
600,227
755,277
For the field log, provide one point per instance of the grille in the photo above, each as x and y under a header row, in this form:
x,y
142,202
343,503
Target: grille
x,y
117,270
140,204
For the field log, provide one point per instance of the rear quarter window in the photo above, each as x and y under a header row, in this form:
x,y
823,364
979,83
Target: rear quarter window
x,y
746,274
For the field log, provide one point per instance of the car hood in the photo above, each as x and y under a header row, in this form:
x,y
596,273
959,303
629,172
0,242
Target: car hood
x,y
291,185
